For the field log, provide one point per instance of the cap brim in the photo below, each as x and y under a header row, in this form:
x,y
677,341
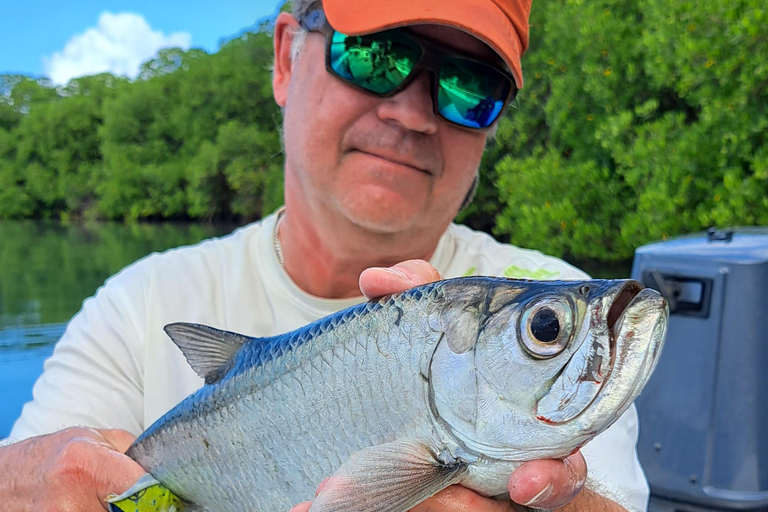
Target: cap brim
x,y
482,19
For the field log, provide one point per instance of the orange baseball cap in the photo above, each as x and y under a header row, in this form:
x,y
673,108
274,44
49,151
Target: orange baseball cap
x,y
502,24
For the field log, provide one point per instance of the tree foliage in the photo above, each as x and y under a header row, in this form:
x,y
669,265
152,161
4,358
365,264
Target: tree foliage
x,y
195,136
639,120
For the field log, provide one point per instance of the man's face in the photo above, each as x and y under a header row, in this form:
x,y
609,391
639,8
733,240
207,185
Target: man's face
x,y
385,164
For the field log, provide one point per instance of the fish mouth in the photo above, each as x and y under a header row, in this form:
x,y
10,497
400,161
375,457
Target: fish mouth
x,y
614,360
623,300
638,337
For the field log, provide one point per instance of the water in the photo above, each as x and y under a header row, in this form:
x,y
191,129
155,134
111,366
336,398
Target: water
x,y
20,369
46,271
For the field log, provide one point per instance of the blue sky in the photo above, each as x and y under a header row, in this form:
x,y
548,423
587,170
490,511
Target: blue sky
x,y
59,40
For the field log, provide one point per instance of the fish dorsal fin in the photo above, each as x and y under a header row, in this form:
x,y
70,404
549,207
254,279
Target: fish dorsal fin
x,y
209,351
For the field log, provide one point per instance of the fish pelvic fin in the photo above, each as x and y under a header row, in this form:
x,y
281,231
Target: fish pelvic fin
x,y
209,351
391,477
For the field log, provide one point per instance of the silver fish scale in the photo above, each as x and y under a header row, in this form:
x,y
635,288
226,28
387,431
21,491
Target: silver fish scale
x,y
283,426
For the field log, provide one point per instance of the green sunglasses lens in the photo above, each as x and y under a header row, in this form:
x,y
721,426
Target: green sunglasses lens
x,y
377,63
471,94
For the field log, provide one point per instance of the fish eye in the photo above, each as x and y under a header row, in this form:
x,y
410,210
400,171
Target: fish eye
x,y
545,327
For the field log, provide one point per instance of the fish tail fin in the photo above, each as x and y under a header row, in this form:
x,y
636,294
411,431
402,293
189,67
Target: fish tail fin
x,y
149,495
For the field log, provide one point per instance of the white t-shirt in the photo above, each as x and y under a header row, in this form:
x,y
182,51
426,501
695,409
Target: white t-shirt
x,y
116,368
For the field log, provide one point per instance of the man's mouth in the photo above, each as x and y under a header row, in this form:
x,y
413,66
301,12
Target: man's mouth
x,y
396,160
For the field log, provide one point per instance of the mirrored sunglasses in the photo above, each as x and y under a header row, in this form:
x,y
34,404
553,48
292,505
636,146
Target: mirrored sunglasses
x,y
465,91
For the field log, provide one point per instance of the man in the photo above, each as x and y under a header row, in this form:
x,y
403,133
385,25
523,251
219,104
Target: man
x,y
372,178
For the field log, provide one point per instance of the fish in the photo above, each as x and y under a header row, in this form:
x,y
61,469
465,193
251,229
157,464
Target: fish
x,y
454,382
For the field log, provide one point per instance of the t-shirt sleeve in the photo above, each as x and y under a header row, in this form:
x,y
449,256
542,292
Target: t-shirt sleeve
x,y
93,377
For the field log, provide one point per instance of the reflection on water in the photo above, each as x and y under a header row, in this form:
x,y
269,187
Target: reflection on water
x,y
46,271
30,336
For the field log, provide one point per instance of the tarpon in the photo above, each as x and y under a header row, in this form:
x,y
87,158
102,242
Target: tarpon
x,y
457,381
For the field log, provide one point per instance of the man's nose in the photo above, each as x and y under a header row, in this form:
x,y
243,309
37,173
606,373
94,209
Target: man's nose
x,y
412,107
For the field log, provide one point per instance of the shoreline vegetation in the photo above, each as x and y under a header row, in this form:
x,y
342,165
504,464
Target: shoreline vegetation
x,y
638,121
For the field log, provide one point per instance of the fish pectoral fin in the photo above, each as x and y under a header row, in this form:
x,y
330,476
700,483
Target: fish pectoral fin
x,y
391,477
209,351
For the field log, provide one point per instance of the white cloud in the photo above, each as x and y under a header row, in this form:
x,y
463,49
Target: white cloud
x,y
118,44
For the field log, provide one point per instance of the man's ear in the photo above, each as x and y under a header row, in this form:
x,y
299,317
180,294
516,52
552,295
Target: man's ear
x,y
285,30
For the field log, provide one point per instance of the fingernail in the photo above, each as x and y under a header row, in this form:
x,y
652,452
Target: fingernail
x,y
543,495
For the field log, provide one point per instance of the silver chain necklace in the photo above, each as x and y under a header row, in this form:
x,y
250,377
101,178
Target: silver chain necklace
x,y
276,240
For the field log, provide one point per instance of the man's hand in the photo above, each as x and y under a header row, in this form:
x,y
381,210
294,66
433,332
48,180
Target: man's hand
x,y
71,470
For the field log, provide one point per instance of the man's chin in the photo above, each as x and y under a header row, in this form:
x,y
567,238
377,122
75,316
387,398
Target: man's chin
x,y
389,221
385,210
383,226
